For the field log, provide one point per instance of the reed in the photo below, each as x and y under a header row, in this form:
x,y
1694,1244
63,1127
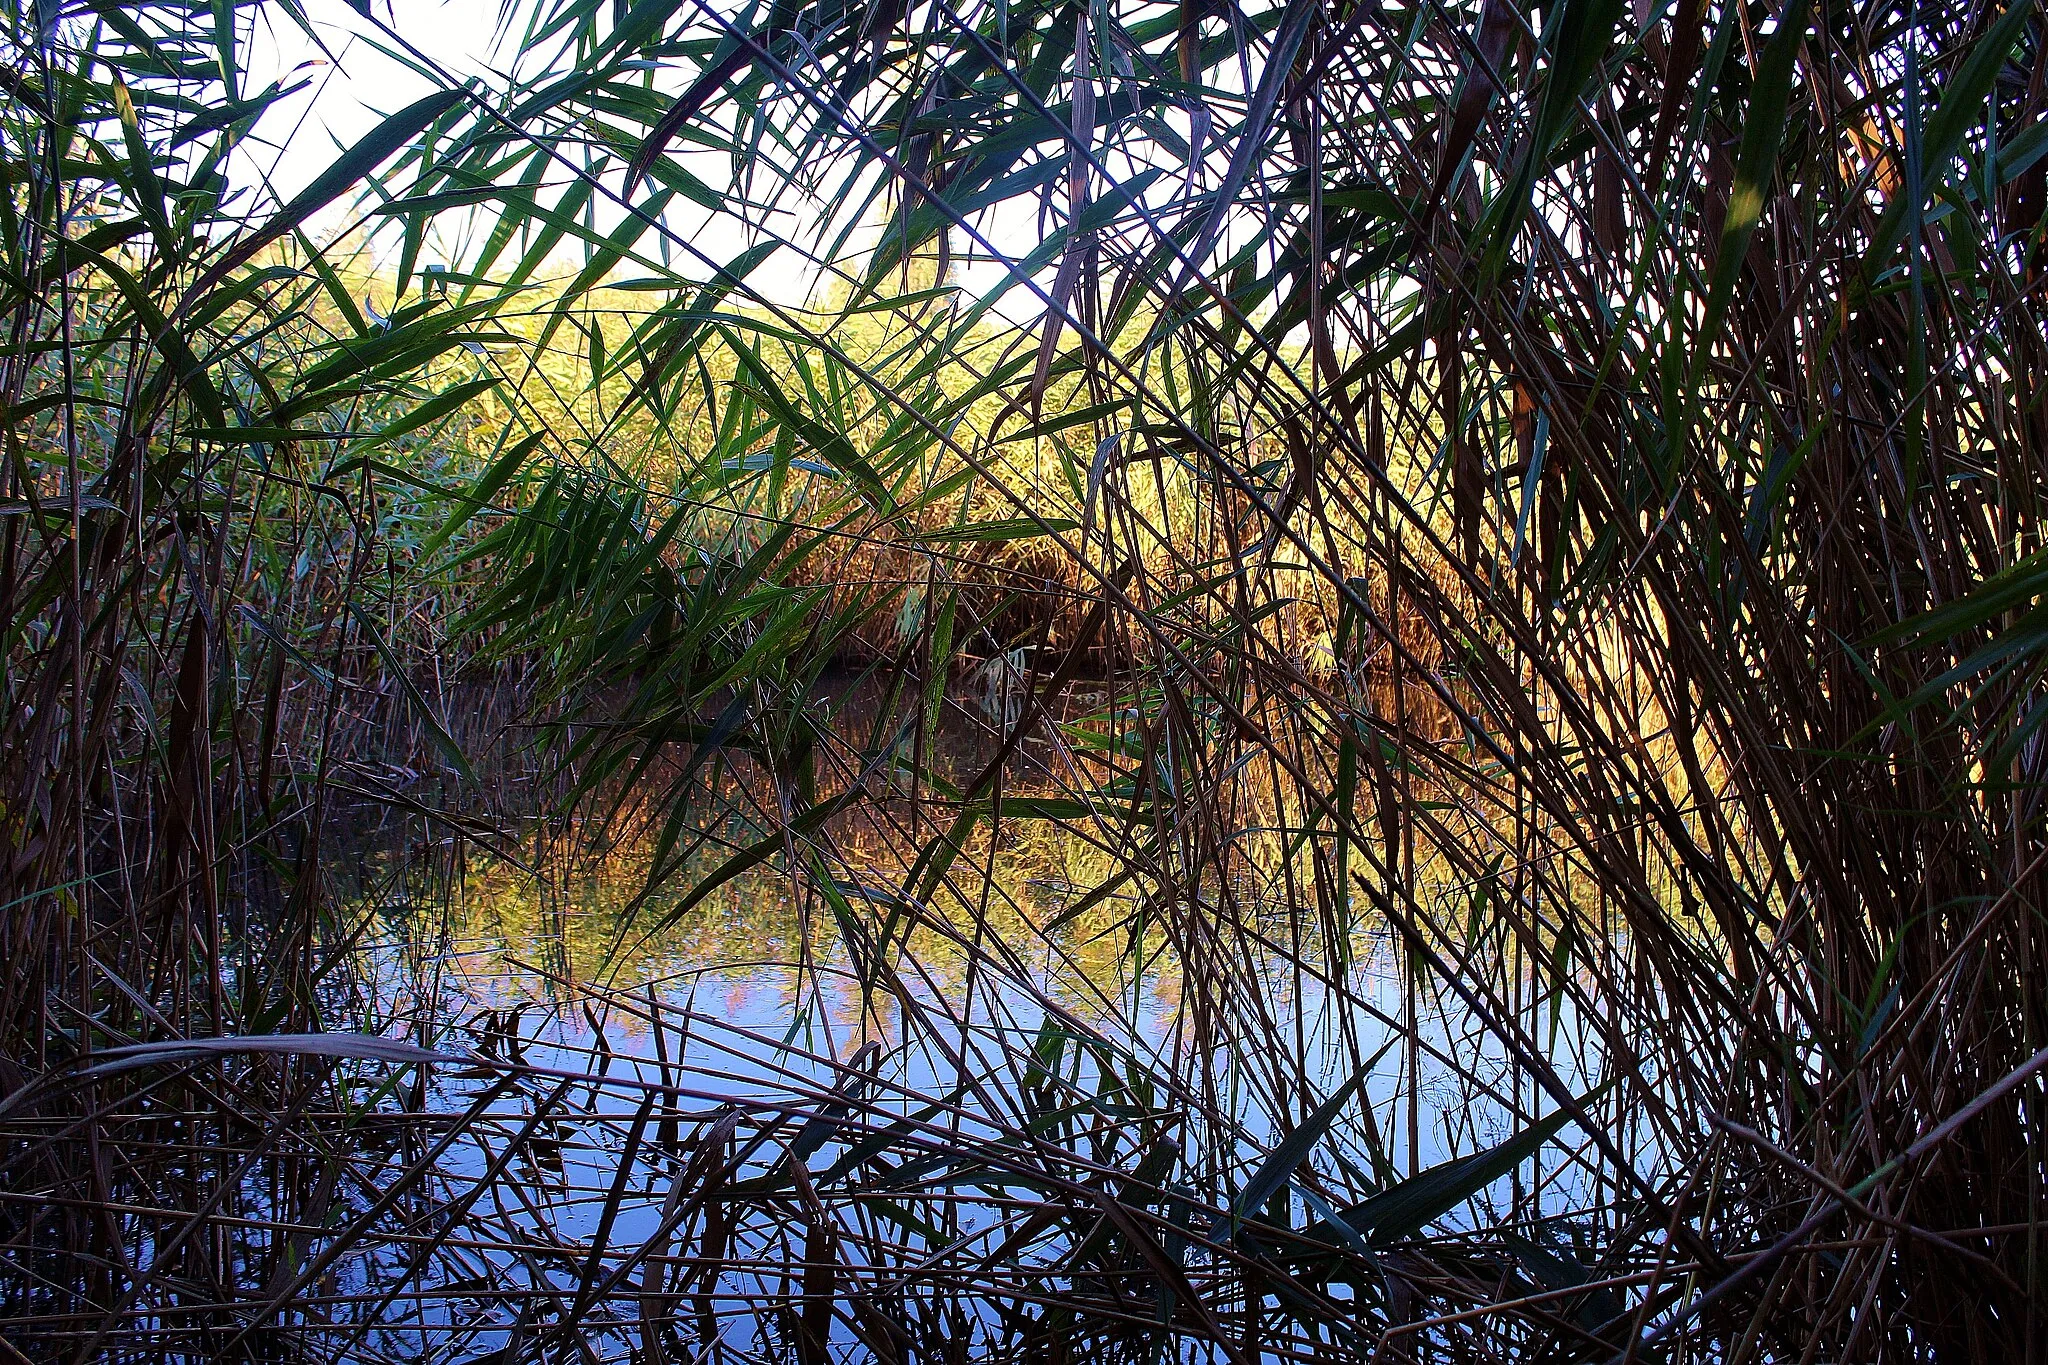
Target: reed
x,y
1501,553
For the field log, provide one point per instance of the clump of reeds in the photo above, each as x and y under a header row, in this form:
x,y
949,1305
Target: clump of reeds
x,y
1638,409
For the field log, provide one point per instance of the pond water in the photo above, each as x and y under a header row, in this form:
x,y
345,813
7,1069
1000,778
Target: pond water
x,y
910,1084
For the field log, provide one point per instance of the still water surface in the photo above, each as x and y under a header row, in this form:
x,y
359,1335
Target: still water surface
x,y
760,993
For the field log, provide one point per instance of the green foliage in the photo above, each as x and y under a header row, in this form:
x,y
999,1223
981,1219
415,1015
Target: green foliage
x,y
1556,490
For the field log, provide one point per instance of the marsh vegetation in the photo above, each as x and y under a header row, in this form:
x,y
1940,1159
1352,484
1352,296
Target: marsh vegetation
x,y
1047,680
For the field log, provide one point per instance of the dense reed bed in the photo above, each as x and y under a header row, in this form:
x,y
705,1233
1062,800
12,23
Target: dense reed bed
x,y
1448,609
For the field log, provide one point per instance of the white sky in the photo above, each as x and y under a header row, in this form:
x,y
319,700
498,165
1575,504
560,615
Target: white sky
x,y
348,96
351,93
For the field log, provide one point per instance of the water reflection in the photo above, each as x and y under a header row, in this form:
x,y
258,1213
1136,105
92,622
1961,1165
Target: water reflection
x,y
947,1062
557,944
